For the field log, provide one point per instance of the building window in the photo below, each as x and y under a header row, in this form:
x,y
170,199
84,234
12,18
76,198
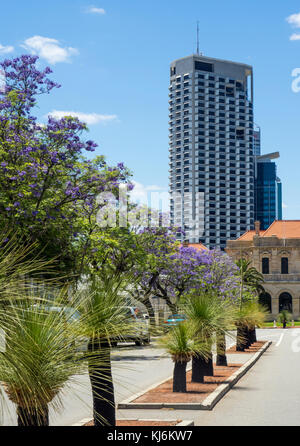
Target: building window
x,y
202,66
265,266
286,302
284,265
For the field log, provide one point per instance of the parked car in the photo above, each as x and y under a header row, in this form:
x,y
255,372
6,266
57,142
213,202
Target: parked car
x,y
141,333
175,319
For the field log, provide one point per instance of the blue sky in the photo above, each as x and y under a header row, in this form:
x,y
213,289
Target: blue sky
x,y
112,58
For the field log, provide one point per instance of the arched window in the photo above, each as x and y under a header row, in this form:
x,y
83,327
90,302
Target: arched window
x,y
286,302
266,300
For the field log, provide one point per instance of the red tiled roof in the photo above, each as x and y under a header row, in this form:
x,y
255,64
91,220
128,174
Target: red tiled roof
x,y
282,229
198,246
248,236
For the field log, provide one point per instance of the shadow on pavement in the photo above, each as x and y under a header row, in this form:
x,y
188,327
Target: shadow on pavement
x,y
135,358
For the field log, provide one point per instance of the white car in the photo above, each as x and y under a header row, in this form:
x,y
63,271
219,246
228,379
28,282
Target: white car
x,y
141,333
140,327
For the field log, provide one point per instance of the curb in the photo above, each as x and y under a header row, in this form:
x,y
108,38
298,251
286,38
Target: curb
x,y
209,402
82,422
184,423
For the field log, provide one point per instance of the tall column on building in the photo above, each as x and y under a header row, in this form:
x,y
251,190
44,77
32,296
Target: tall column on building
x,y
211,149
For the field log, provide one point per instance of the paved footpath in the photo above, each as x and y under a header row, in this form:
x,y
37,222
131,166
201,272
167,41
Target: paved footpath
x,y
268,395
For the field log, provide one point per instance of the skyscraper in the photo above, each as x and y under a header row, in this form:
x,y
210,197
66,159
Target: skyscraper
x,y
211,149
268,191
256,141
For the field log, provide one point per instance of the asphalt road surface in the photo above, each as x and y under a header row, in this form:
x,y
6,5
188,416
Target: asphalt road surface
x,y
268,395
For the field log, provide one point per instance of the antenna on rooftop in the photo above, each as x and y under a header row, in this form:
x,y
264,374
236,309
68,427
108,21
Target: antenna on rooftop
x,y
198,51
198,41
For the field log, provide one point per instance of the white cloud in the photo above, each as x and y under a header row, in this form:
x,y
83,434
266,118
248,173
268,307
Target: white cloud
x,y
49,49
294,20
94,10
153,196
6,49
295,36
88,118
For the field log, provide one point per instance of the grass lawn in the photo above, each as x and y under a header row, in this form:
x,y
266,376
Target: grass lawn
x,y
271,324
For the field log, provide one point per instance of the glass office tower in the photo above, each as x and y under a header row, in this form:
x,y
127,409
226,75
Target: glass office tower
x,y
268,191
211,149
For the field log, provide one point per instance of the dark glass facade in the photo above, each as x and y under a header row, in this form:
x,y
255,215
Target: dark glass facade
x,y
268,196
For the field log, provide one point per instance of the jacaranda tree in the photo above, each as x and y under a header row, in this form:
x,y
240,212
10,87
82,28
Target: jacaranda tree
x,y
48,188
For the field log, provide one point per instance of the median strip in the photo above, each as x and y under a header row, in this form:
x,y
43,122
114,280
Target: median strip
x,y
206,404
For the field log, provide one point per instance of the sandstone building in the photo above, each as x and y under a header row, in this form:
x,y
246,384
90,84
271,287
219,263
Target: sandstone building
x,y
276,254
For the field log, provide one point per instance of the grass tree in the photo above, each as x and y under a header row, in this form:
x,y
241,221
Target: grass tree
x,y
249,316
251,280
40,359
284,317
182,347
104,320
210,317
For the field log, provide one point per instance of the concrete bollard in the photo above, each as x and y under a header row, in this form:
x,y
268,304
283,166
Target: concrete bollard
x,y
275,324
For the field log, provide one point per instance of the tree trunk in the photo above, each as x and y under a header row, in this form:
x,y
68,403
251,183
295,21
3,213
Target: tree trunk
x,y
172,307
146,301
241,341
200,369
102,383
208,366
253,335
179,377
221,350
249,337
284,323
32,417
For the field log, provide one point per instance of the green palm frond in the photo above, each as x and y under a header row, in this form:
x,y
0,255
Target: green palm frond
x,y
250,276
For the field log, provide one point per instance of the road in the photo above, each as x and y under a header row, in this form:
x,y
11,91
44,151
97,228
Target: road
x,y
269,394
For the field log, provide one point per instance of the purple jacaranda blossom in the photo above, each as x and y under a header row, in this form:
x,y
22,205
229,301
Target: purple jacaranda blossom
x,y
44,171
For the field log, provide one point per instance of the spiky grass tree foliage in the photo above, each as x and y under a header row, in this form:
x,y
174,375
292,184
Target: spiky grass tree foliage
x,y
210,316
179,343
284,317
39,360
20,271
105,320
249,316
